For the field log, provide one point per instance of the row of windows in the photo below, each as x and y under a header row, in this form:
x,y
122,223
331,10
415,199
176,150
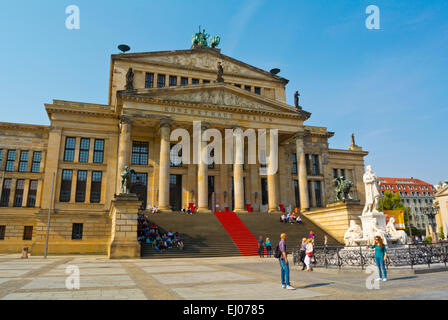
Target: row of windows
x,y
402,187
18,194
81,183
28,232
172,81
84,148
23,160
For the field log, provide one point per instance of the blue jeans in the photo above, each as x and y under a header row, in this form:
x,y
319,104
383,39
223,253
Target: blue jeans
x,y
284,272
380,264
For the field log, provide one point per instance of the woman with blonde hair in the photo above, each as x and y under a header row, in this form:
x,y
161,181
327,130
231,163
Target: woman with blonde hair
x,y
308,254
268,247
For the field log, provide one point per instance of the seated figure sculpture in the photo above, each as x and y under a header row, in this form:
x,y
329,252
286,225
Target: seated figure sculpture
x,y
353,234
395,235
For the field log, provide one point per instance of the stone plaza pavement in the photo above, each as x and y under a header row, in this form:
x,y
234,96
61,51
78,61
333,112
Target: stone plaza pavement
x,y
199,279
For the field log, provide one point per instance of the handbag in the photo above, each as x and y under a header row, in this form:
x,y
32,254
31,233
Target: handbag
x,y
309,254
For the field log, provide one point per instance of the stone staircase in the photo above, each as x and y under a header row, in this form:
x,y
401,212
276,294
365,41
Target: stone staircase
x,y
269,225
204,235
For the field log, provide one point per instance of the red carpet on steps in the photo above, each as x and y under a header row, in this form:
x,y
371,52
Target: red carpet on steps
x,y
240,234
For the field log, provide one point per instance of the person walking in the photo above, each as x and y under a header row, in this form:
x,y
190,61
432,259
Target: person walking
x,y
308,254
261,247
380,258
302,253
284,265
268,247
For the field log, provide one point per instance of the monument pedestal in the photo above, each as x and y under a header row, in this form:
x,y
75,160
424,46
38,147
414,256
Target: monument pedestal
x,y
368,221
123,215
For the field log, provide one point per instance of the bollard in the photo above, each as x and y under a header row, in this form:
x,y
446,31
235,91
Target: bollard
x,y
25,253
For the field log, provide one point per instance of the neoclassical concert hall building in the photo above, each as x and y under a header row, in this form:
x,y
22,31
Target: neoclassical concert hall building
x,y
72,166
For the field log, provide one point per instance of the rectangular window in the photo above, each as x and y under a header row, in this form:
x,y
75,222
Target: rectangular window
x,y
264,191
310,196
294,163
247,88
23,161
28,233
35,165
81,186
194,81
173,157
183,81
160,80
297,193
32,191
237,85
205,81
343,172
173,81
6,191
307,163
18,197
335,174
318,193
84,147
10,159
149,80
69,152
1,157
315,160
66,185
140,152
98,151
77,231
95,189
2,232
257,90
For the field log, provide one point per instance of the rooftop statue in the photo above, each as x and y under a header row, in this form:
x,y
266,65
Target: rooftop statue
x,y
200,39
130,79
296,99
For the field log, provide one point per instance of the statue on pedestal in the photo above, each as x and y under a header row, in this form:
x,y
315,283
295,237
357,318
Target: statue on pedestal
x,y
126,179
342,189
372,194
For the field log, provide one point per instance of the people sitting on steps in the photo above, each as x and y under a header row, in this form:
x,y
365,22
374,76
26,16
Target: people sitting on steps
x,y
149,233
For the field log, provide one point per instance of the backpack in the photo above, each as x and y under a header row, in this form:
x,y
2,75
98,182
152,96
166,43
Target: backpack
x,y
277,252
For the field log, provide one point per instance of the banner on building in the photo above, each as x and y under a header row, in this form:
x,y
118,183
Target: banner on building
x,y
398,216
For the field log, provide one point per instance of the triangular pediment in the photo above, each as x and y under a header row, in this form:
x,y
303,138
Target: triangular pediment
x,y
205,59
217,94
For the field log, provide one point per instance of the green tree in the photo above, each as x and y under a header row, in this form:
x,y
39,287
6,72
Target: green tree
x,y
442,235
391,201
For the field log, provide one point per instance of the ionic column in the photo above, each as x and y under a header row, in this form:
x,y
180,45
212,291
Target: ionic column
x,y
124,147
238,174
164,166
272,185
202,175
301,174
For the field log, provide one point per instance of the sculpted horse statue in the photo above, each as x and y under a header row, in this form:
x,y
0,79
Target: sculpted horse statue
x,y
342,189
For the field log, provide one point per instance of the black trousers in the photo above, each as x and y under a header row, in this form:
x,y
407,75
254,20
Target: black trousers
x,y
302,259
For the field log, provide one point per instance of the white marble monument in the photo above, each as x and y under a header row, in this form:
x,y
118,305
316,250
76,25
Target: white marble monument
x,y
373,222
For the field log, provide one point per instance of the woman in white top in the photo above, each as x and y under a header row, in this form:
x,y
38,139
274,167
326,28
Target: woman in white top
x,y
308,254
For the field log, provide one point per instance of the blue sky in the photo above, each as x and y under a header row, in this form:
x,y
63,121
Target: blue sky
x,y
388,86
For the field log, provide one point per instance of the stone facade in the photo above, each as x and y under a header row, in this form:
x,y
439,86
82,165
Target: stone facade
x,y
87,145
